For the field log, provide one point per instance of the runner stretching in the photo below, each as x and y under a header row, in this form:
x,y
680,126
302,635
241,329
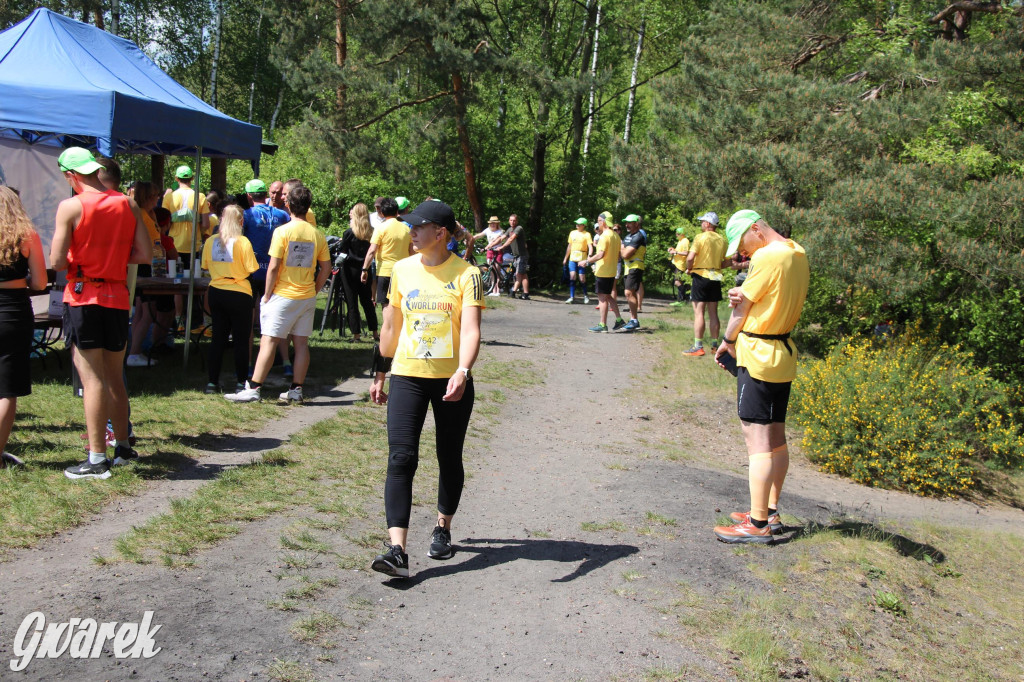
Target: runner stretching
x,y
765,311
579,248
432,330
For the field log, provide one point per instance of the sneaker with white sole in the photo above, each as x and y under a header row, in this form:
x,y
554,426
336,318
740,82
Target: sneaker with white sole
x,y
246,395
88,470
139,360
494,293
744,533
9,460
586,300
393,562
774,522
124,455
441,542
619,324
292,395
570,300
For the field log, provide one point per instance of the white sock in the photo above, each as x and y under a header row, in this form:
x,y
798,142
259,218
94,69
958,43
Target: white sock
x,y
97,457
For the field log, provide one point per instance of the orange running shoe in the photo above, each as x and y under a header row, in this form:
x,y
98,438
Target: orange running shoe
x,y
774,522
744,532
694,352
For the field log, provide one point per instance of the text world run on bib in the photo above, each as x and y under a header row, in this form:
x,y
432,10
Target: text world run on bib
x,y
82,638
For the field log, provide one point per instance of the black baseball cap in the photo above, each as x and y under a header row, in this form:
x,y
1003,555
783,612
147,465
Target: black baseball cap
x,y
432,212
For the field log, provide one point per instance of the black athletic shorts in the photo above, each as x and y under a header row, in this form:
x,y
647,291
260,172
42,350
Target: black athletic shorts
x,y
634,278
383,285
704,290
760,402
259,287
92,326
605,285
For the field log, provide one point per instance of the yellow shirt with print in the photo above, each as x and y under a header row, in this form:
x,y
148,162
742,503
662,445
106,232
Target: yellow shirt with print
x,y
610,244
299,245
392,239
679,260
181,204
710,249
776,284
580,243
230,264
431,301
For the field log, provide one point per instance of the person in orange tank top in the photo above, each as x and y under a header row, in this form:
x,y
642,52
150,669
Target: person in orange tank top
x,y
98,233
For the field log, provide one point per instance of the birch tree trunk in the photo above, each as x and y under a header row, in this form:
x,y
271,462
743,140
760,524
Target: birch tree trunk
x,y
633,79
593,83
115,16
218,21
256,61
277,109
340,57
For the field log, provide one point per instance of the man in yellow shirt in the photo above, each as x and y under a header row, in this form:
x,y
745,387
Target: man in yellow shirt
x,y
679,266
704,265
765,311
182,203
296,252
607,260
633,250
579,248
390,243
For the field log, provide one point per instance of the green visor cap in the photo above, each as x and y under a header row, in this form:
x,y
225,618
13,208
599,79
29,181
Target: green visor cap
x,y
183,172
402,202
79,160
581,221
737,226
255,186
680,230
631,218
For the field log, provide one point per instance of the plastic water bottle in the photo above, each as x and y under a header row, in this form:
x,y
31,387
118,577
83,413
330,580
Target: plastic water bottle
x,y
159,260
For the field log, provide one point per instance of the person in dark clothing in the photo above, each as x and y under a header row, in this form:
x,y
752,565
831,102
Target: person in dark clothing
x,y
355,242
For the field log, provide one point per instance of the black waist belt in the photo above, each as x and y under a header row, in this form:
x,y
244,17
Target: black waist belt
x,y
772,337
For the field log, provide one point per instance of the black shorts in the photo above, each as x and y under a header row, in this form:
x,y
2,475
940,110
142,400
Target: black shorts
x,y
604,285
634,278
16,333
89,327
760,402
704,290
383,284
259,287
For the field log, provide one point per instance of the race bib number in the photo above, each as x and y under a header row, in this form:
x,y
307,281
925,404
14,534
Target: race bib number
x,y
300,254
430,336
221,253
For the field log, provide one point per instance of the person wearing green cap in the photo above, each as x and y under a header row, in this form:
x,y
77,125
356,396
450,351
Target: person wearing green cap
x,y
703,264
98,232
679,266
579,248
632,252
181,203
765,311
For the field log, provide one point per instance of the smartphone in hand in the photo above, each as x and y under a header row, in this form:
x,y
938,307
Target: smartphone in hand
x,y
729,363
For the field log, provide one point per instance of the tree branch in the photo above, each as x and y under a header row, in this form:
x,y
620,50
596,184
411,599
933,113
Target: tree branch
x,y
967,6
390,110
819,43
399,53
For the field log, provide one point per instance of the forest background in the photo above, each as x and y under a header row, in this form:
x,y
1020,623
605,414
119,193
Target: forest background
x,y
883,136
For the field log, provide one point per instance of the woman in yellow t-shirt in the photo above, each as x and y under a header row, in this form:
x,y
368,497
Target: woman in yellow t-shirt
x,y
431,331
230,259
679,267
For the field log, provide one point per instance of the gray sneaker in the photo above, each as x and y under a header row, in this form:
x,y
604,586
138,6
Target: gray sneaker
x,y
440,542
292,395
88,470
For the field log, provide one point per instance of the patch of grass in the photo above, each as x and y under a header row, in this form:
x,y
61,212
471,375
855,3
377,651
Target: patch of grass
x,y
305,542
309,589
283,605
616,466
630,576
659,519
538,533
289,671
519,373
313,628
351,562
888,601
596,526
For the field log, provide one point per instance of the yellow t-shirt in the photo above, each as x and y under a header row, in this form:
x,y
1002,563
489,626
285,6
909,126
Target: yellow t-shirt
x,y
181,204
610,243
311,217
151,229
300,246
431,300
777,285
710,249
392,239
580,245
679,260
230,264
214,222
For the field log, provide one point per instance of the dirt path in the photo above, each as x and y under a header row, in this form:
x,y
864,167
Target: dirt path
x,y
564,510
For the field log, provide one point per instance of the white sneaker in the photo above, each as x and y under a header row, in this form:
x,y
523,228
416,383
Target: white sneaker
x,y
569,300
586,300
494,293
246,395
138,360
293,395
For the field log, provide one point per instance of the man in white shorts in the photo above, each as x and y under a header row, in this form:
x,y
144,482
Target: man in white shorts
x,y
296,251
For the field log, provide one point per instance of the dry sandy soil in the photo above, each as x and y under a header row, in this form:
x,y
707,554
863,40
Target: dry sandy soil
x,y
529,594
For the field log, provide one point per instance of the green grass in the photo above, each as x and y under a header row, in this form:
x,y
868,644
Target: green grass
x,y
289,671
597,526
515,374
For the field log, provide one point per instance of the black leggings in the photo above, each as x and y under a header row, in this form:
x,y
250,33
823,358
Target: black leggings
x,y
407,409
232,314
358,292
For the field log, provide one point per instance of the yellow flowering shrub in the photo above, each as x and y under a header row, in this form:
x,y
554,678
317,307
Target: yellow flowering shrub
x,y
908,415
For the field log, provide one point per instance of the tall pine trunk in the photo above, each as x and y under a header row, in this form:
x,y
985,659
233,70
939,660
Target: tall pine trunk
x,y
340,57
218,22
256,60
472,193
633,80
115,16
572,175
538,186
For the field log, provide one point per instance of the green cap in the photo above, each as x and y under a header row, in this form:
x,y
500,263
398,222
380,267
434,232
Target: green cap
x,y
680,230
79,160
402,202
255,186
737,226
631,218
607,215
183,172
581,221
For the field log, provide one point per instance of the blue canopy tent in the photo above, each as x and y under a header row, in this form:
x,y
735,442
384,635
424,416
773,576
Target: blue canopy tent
x,y
65,81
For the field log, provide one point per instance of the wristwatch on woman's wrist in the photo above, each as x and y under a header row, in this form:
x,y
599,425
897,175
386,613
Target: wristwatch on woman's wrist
x,y
464,370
